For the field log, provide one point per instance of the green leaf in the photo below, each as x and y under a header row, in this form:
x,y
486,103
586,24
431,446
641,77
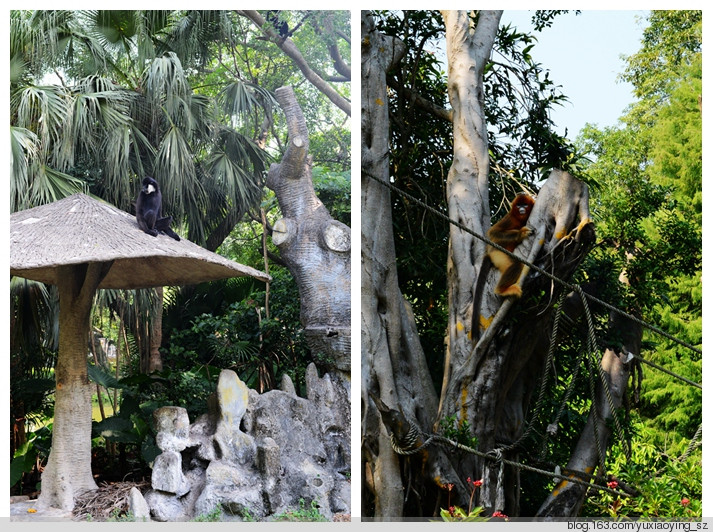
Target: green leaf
x,y
149,450
102,377
116,429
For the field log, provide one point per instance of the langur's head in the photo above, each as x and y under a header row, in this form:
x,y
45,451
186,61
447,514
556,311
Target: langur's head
x,y
149,185
522,205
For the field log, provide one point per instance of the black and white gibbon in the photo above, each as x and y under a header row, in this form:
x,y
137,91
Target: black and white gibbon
x,y
508,233
279,23
281,27
148,210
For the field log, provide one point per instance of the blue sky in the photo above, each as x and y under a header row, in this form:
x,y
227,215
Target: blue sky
x,y
583,54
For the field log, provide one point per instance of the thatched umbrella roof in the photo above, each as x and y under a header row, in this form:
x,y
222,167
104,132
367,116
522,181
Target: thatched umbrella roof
x,y
80,229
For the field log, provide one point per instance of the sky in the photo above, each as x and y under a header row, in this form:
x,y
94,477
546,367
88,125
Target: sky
x,y
583,54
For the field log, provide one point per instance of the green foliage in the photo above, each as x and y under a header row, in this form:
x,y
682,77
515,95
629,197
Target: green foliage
x,y
214,516
36,447
648,215
178,94
239,336
133,424
334,190
672,38
458,514
33,348
458,431
303,513
676,136
473,514
668,488
119,516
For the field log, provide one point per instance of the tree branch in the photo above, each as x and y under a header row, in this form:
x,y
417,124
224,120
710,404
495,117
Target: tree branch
x,y
291,51
339,64
420,101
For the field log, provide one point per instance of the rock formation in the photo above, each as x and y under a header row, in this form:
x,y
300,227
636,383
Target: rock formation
x,y
256,455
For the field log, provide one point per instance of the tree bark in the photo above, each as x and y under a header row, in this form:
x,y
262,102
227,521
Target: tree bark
x,y
468,49
156,333
380,313
394,368
314,246
68,471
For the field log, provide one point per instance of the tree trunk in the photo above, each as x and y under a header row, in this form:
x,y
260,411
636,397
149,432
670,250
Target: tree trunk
x,y
156,334
468,49
68,471
394,368
314,246
380,295
317,251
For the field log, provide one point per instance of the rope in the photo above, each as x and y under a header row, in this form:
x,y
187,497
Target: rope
x,y
547,274
668,371
602,376
415,434
496,455
499,489
543,382
689,449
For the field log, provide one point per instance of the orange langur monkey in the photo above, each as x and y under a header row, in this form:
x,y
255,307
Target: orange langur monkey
x,y
508,233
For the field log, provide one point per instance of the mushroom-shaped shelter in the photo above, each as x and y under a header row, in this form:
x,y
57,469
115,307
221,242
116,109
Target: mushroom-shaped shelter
x,y
81,230
81,244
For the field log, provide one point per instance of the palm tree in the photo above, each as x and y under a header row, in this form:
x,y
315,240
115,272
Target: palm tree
x,y
101,98
103,123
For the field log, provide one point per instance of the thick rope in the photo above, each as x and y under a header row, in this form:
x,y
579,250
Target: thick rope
x,y
495,456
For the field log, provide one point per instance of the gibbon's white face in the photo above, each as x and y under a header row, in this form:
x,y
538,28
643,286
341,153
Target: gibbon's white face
x,y
150,189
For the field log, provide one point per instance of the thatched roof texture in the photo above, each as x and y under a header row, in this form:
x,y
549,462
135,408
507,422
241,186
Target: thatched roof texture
x,y
80,229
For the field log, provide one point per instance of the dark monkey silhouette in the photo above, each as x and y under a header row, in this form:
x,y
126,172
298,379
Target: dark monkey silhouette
x,y
281,27
148,210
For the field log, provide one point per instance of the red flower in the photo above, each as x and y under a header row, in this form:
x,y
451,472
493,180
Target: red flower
x,y
452,511
613,484
477,483
685,501
449,487
498,513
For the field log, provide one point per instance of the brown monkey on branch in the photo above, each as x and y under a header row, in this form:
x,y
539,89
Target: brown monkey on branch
x,y
507,233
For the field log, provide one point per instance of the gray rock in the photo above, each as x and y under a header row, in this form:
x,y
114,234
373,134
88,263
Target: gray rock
x,y
172,426
166,507
138,507
234,445
167,474
236,491
201,436
256,455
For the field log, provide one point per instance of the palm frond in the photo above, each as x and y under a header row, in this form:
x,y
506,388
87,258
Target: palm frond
x,y
23,156
165,79
175,170
43,110
51,185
